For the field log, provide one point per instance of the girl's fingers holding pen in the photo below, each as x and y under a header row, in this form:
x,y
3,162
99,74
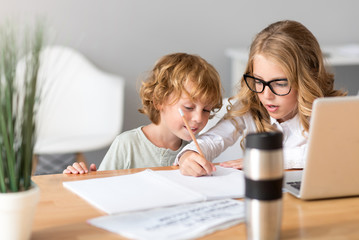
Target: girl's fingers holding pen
x,y
198,170
208,167
193,164
189,166
192,170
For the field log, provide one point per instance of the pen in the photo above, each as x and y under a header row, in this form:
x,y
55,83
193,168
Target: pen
x,y
190,132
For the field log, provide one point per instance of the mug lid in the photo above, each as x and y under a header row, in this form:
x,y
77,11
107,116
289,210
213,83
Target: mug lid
x,y
265,140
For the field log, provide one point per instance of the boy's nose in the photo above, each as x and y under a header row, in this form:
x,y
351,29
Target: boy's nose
x,y
197,117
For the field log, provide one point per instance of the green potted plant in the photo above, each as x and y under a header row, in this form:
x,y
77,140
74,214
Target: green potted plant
x,y
19,97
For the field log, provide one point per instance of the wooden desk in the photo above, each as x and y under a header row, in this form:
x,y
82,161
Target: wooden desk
x,y
62,214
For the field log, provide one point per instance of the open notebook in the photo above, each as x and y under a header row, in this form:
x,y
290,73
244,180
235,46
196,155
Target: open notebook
x,y
332,158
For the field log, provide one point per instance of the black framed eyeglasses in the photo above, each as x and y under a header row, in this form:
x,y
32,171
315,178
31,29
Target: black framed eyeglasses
x,y
280,87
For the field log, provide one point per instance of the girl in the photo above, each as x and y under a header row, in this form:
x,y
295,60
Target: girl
x,y
177,81
284,75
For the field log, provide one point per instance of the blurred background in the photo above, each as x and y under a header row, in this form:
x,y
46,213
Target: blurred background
x,y
126,37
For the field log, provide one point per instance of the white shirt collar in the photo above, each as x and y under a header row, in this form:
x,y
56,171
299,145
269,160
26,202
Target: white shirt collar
x,y
288,123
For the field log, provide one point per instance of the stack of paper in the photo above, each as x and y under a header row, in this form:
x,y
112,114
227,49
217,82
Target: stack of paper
x,y
150,189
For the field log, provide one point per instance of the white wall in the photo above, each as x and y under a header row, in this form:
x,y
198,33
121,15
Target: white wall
x,y
126,37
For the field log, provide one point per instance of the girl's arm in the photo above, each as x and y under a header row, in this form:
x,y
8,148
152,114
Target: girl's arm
x,y
212,143
215,140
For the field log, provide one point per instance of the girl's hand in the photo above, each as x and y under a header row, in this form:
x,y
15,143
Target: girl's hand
x,y
238,164
79,168
193,164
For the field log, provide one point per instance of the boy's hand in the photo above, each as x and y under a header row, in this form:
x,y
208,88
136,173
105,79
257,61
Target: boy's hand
x,y
237,164
193,164
79,168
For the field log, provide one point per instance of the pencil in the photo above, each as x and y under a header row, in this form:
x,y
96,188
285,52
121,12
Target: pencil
x,y
190,132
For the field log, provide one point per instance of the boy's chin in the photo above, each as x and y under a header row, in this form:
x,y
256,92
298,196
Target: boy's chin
x,y
187,139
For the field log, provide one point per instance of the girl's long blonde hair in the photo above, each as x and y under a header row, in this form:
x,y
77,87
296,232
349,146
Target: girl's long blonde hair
x,y
293,47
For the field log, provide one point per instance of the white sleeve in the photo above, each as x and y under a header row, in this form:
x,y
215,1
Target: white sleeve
x,y
217,139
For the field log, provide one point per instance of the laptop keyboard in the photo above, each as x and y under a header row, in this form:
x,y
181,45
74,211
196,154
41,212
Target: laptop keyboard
x,y
295,184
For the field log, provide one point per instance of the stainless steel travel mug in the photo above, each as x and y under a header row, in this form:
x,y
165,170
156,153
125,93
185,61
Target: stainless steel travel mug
x,y
263,170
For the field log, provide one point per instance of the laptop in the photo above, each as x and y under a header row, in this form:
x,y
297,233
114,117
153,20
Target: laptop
x,y
332,157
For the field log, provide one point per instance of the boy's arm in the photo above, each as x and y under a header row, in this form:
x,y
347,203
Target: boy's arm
x,y
79,168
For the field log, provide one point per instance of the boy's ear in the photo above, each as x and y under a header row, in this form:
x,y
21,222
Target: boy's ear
x,y
156,105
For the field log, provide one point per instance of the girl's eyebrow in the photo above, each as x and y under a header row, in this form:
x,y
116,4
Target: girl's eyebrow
x,y
276,78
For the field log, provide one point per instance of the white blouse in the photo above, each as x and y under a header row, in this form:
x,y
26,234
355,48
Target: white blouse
x,y
224,134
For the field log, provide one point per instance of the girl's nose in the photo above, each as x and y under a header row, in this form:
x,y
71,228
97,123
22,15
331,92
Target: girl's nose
x,y
267,93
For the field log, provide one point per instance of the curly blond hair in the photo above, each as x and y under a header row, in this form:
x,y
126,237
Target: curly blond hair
x,y
169,76
293,47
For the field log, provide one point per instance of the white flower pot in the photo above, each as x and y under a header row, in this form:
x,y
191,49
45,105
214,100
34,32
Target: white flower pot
x,y
17,212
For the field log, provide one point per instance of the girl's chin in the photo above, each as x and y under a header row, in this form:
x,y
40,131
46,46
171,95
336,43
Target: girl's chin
x,y
281,118
276,116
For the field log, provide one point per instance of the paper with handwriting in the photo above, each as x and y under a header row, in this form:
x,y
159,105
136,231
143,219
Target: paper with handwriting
x,y
187,221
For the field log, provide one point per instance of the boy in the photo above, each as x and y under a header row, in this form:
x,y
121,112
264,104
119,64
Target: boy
x,y
177,80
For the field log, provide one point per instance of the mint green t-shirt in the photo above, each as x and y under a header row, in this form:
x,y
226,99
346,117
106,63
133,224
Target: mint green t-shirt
x,y
132,149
